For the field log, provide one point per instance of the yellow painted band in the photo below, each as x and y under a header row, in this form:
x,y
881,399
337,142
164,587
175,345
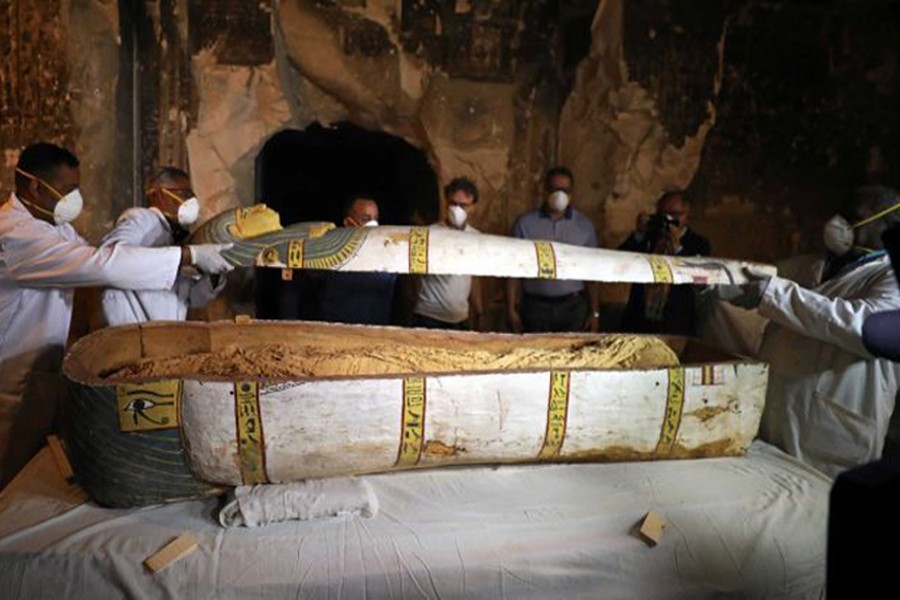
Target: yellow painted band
x,y
557,414
412,427
674,407
295,254
418,250
546,259
662,273
251,441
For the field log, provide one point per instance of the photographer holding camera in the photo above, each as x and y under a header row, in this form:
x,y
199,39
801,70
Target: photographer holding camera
x,y
661,308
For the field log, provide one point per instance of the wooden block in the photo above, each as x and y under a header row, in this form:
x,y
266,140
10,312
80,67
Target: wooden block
x,y
242,319
174,551
652,528
59,455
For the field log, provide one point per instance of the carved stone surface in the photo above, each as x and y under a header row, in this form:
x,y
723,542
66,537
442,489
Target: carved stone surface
x,y
476,40
34,76
236,30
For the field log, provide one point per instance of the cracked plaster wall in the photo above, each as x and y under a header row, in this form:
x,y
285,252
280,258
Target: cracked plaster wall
x,y
57,83
764,111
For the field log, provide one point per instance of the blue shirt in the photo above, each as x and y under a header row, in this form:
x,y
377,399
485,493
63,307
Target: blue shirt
x,y
363,298
573,228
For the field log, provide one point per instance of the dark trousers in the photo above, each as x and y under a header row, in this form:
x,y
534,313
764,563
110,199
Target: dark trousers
x,y
861,517
429,323
543,314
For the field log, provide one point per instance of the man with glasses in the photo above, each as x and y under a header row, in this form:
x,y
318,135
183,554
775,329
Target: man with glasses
x,y
661,308
42,261
452,301
540,305
348,297
171,209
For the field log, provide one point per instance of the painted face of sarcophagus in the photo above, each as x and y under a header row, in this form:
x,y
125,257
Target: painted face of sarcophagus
x,y
165,411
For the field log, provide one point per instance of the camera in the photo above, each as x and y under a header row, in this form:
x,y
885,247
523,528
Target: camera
x,y
658,224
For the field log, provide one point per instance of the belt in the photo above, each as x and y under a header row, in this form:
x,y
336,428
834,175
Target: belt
x,y
552,299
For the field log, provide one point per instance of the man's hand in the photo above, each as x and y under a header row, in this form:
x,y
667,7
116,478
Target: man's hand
x,y
746,295
208,258
641,223
640,227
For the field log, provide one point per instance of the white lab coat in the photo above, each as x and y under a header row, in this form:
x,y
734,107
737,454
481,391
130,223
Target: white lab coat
x,y
829,401
149,228
40,265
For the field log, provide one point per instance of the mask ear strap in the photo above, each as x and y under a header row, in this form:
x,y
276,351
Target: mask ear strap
x,y
38,208
41,181
876,216
171,195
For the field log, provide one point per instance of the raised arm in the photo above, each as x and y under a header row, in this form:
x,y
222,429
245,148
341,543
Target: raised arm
x,y
835,321
41,256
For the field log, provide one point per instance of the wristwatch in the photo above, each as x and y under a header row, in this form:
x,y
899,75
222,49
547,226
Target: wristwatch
x,y
596,314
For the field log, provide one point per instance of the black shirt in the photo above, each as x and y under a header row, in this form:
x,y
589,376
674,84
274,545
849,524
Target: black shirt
x,y
678,316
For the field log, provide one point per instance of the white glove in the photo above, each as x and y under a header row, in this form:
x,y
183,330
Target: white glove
x,y
746,295
203,291
208,258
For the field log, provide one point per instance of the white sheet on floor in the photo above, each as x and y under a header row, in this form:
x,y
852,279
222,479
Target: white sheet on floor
x,y
743,527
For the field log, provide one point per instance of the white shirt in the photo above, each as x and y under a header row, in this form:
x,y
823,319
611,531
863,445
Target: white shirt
x,y
40,265
445,297
148,227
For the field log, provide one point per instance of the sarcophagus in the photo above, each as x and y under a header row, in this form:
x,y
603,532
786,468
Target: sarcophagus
x,y
165,411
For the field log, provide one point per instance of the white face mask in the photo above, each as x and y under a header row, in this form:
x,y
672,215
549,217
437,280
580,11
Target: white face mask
x,y
189,212
838,235
68,207
558,201
457,216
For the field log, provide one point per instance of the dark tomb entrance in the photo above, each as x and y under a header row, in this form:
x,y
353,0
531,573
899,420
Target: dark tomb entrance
x,y
307,175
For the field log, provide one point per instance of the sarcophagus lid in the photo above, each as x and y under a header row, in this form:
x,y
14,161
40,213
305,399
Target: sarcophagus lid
x,y
165,411
259,240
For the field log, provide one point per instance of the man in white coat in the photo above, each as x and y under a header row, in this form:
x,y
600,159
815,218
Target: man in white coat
x,y
42,260
829,399
172,209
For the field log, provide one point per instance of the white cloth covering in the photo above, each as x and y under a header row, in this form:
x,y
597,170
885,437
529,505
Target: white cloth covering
x,y
829,401
40,265
256,505
148,227
749,527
